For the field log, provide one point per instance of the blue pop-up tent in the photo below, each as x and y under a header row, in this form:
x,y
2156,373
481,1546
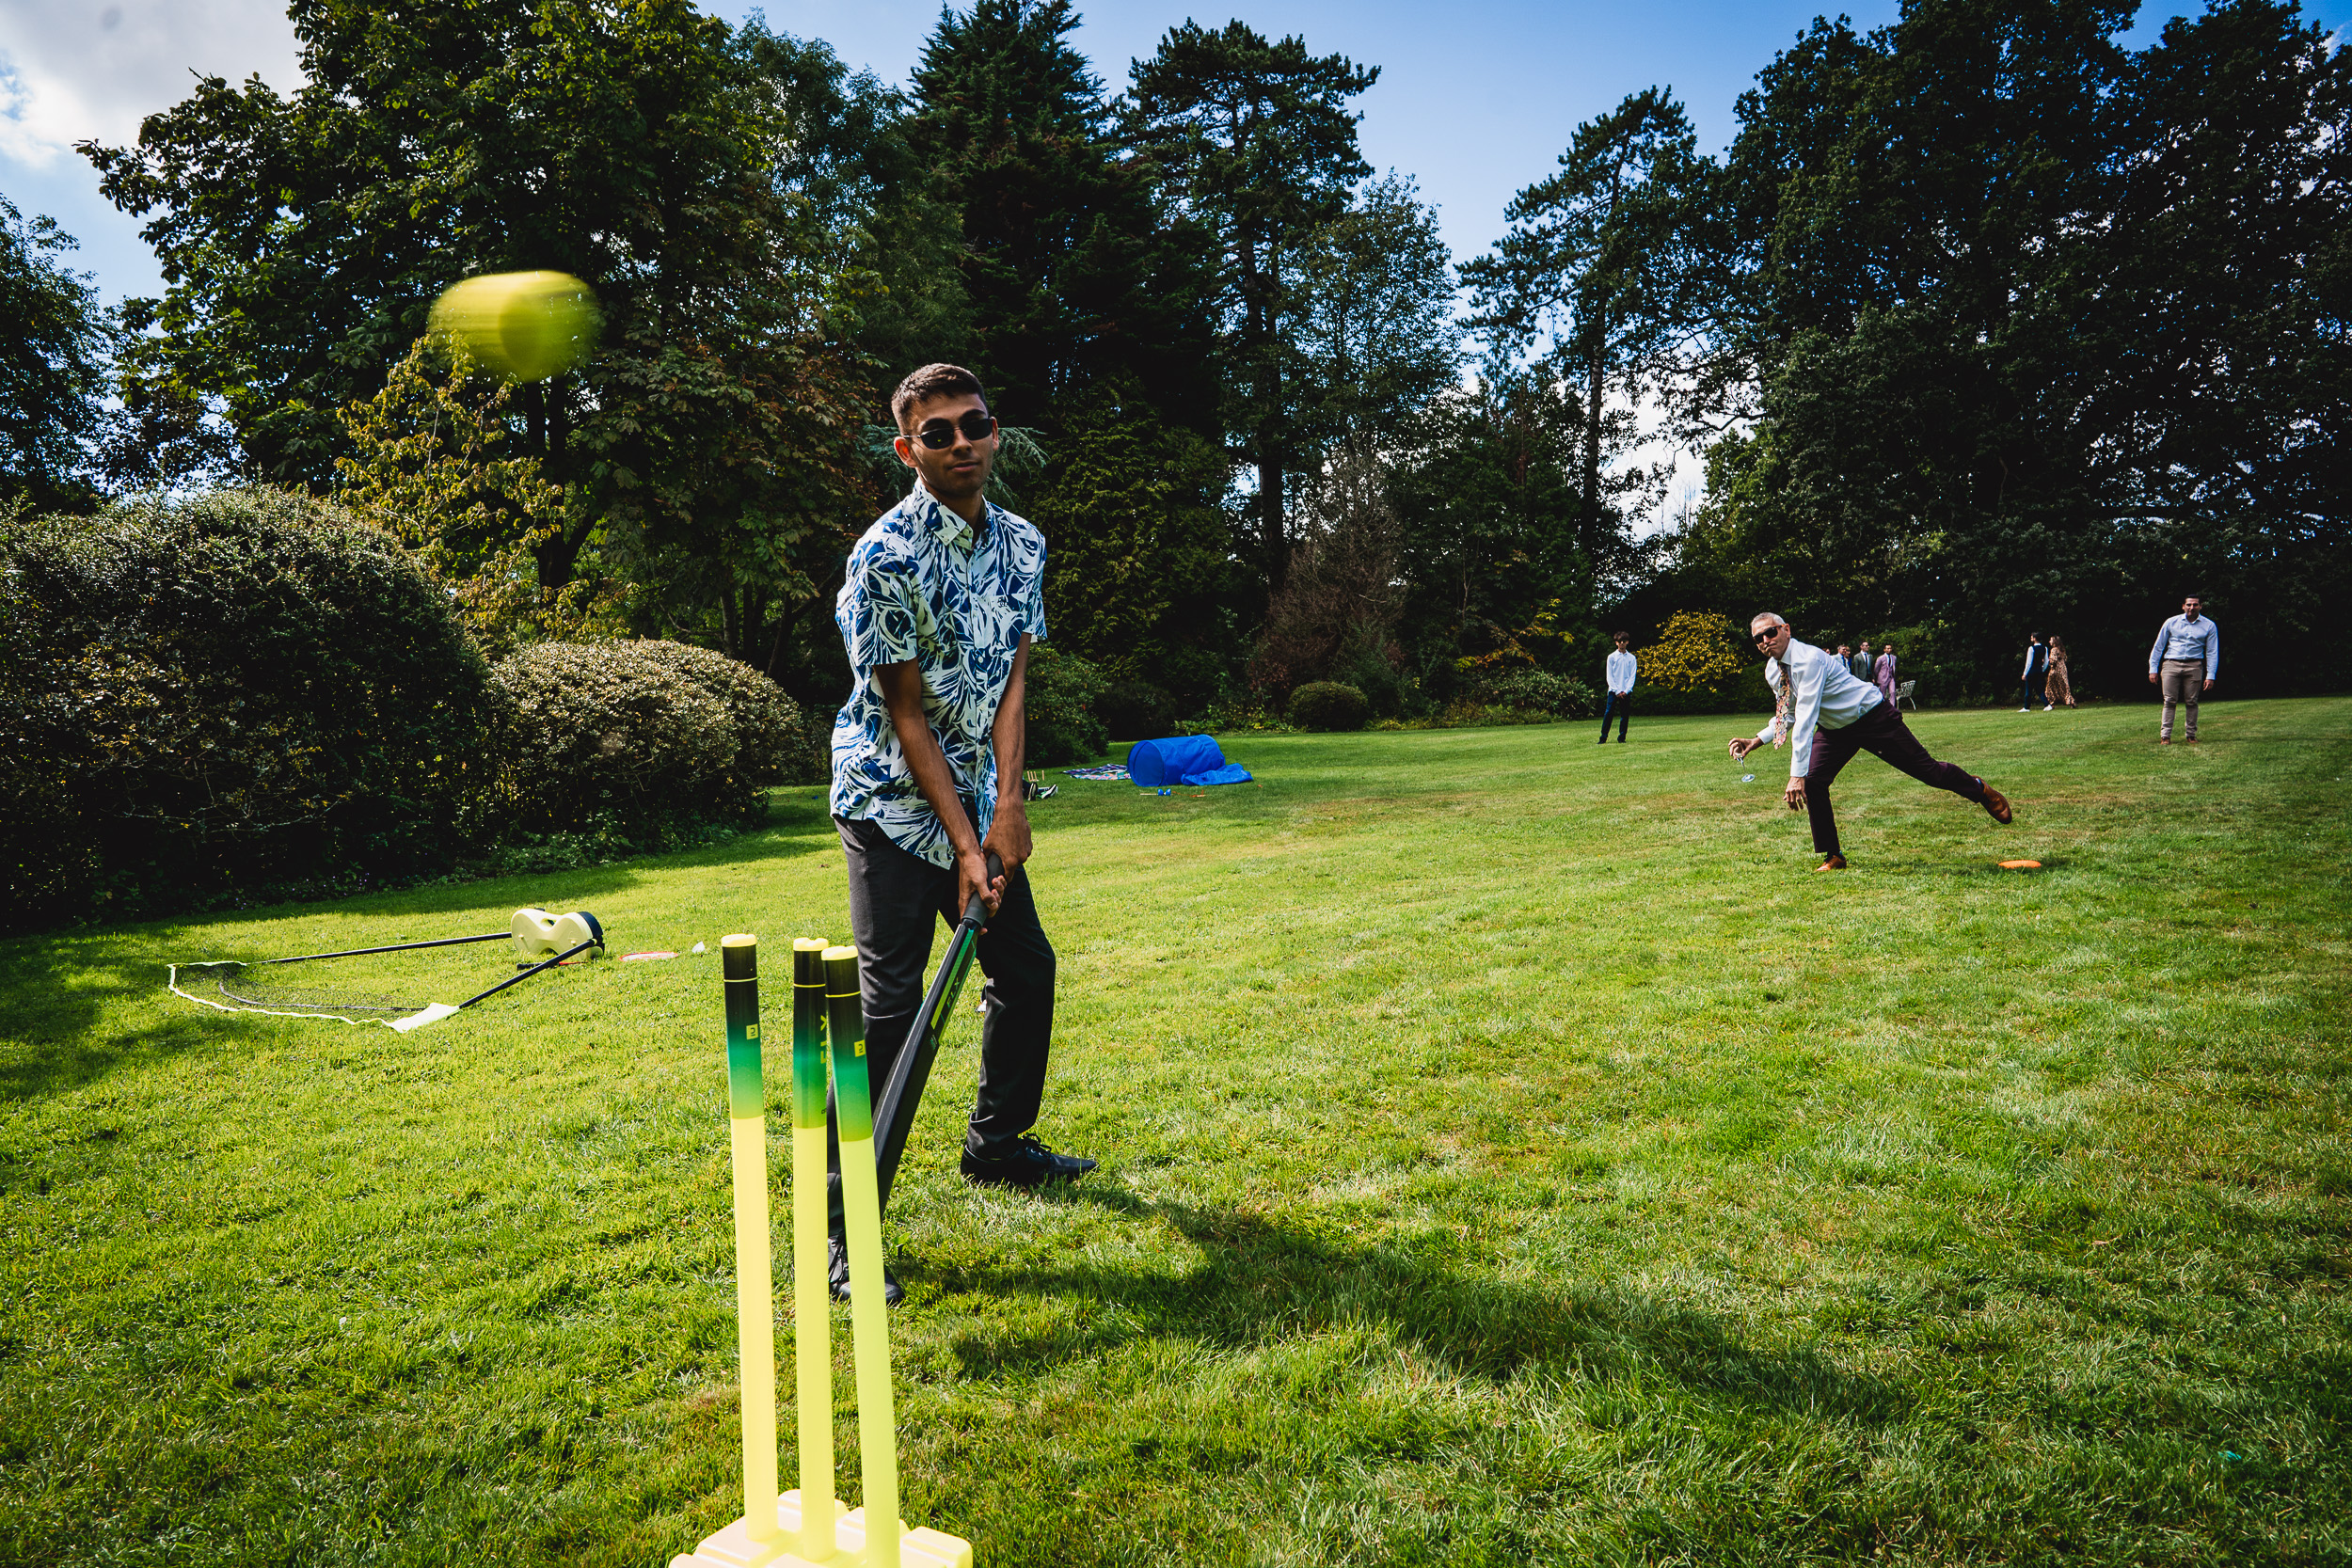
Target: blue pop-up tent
x,y
1190,759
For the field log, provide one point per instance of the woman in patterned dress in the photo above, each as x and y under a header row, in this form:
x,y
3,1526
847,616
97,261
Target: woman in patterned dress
x,y
2058,692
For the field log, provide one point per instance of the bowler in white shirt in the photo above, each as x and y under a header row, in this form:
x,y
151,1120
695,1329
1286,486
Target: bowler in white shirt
x,y
1825,715
1620,672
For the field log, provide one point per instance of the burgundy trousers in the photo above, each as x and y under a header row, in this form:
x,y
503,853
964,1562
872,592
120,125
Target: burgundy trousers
x,y
1882,732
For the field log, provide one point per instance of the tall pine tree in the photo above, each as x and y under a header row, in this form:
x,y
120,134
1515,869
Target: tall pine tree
x,y
1077,281
1088,309
1259,144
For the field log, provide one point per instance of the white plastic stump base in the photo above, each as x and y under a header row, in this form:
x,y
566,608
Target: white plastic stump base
x,y
733,1547
918,1547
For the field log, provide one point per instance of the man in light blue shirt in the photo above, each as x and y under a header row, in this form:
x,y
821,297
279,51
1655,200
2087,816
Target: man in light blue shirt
x,y
2184,663
1619,673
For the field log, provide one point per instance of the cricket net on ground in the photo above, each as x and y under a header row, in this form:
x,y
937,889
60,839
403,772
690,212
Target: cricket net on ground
x,y
391,985
294,990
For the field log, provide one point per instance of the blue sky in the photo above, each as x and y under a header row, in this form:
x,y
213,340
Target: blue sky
x,y
1475,99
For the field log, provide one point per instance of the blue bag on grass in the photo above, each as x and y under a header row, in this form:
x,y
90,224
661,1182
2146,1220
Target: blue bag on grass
x,y
1153,763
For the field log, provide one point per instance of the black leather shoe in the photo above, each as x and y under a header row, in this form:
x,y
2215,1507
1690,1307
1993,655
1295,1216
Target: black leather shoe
x,y
1026,1163
838,1270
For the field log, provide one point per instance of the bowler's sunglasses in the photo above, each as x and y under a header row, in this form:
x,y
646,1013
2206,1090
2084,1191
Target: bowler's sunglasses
x,y
939,434
1762,636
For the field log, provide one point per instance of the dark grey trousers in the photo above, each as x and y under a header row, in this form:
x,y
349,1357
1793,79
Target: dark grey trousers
x,y
896,899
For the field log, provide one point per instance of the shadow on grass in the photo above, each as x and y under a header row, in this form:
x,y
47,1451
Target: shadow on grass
x,y
1265,1280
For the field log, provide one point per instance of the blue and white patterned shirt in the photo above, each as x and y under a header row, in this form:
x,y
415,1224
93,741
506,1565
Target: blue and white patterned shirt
x,y
921,586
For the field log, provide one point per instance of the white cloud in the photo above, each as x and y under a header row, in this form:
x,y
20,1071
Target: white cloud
x,y
85,68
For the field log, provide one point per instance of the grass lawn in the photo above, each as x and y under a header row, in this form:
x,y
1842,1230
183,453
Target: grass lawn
x,y
1512,1153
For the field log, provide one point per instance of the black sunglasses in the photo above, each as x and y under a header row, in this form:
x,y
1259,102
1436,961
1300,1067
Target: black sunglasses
x,y
1764,636
939,434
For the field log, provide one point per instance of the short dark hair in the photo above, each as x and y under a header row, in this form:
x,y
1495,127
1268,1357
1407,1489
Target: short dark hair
x,y
933,381
1621,637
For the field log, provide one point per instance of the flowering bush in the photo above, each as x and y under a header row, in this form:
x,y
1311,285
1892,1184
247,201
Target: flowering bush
x,y
1697,651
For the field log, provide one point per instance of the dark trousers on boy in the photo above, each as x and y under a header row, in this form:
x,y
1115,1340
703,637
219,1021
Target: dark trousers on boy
x,y
896,899
1620,705
1882,732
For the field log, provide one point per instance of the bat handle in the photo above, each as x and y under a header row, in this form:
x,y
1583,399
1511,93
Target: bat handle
x,y
975,911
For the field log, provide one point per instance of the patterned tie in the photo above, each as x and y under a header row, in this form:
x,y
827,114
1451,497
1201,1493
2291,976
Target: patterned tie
x,y
1780,708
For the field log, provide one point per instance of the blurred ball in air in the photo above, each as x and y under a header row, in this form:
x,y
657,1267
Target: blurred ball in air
x,y
522,325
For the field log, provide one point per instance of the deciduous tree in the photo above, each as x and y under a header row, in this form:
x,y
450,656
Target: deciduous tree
x,y
54,340
1593,276
708,447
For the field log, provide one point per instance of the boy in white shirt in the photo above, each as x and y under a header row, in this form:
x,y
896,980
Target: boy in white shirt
x,y
1825,715
1619,673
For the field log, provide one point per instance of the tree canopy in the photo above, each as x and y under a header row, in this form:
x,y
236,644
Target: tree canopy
x,y
54,342
1983,322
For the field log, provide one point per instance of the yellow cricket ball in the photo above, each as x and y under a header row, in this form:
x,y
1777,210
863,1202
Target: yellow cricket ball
x,y
523,325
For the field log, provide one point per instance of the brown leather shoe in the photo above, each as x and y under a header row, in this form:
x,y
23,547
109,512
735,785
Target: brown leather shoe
x,y
1836,863
1995,804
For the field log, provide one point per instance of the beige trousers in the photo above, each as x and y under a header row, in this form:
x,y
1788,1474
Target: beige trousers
x,y
2182,680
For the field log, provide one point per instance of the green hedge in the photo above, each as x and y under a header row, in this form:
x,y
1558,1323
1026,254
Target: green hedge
x,y
1329,706
1136,710
1541,692
217,701
1058,696
642,742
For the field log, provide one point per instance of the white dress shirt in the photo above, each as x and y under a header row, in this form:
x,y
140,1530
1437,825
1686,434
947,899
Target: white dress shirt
x,y
2182,637
1826,697
1621,669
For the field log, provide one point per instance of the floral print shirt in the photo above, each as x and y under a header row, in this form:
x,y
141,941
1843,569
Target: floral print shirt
x,y
922,586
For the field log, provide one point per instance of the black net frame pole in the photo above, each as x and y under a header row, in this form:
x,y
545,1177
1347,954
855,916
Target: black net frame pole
x,y
894,1115
517,980
362,952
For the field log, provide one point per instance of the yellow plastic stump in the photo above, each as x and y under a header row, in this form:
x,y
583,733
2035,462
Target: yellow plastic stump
x,y
825,1003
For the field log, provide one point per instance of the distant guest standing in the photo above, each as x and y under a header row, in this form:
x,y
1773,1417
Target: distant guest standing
x,y
1862,661
2058,688
1620,672
1882,672
2030,679
2187,651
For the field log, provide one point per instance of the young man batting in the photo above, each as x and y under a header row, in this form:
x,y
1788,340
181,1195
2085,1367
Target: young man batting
x,y
1825,715
942,599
